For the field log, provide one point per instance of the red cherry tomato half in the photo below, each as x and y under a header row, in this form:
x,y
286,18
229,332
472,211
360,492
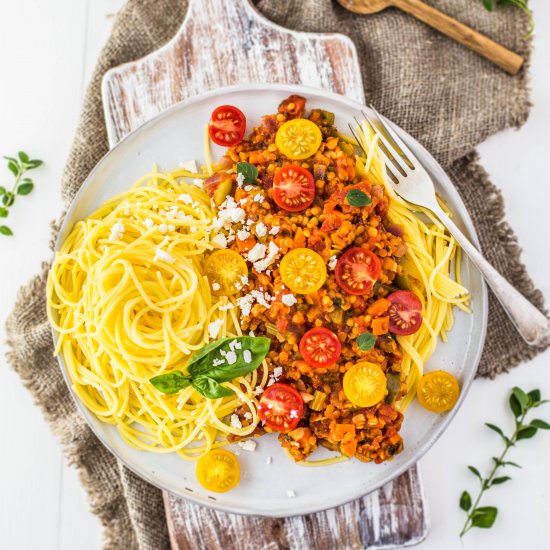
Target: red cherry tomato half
x,y
320,347
405,312
227,126
281,407
357,270
293,188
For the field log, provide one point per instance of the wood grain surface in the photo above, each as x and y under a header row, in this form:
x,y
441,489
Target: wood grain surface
x,y
250,50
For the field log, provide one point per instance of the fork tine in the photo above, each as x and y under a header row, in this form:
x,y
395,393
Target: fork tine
x,y
397,159
352,130
406,151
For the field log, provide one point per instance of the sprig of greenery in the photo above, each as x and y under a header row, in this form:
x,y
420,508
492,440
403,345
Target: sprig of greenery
x,y
521,4
521,403
22,185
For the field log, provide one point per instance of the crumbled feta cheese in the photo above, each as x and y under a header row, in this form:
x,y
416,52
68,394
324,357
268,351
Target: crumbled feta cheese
x,y
229,213
270,382
245,303
277,372
163,228
172,227
117,231
274,230
261,298
186,198
127,212
262,265
258,197
268,460
247,356
214,328
193,229
189,165
236,422
238,286
261,229
243,234
293,413
249,222
220,240
248,188
197,182
290,493
248,415
216,286
247,445
240,179
231,357
244,279
226,307
233,345
257,252
258,390
332,262
288,299
163,255
217,362
251,333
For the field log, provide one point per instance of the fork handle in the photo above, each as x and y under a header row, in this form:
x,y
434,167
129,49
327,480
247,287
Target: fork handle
x,y
533,326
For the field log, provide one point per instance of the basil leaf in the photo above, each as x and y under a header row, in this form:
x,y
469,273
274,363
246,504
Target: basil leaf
x,y
249,171
356,197
171,382
25,188
465,501
204,364
210,388
366,341
5,230
484,517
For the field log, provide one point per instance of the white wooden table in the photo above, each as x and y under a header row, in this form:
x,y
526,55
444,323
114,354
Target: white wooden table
x,y
47,53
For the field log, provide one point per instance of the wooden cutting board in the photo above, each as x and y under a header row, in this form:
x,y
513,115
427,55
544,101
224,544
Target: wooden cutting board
x,y
249,48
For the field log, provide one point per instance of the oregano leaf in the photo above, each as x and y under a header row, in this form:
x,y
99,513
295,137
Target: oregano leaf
x,y
356,197
249,171
541,424
465,501
366,341
484,517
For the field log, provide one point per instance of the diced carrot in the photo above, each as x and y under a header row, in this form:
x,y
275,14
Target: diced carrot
x,y
377,308
240,194
341,430
380,326
299,238
260,157
247,244
349,447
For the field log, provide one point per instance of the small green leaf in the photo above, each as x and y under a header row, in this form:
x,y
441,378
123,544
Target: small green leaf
x,y
475,471
515,405
496,429
509,463
8,199
25,188
465,501
522,397
249,171
484,517
170,382
2,190
534,395
3,212
541,424
5,230
356,197
527,432
210,388
366,341
34,164
500,480
23,157
489,5
14,168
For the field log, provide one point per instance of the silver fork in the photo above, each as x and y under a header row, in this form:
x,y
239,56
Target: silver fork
x,y
410,180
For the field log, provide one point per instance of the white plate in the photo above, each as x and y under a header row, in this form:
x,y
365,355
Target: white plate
x,y
177,135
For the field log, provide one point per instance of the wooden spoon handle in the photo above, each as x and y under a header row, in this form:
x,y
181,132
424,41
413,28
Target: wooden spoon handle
x,y
509,61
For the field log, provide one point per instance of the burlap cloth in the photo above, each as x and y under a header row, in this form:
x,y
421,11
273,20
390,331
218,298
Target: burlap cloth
x,y
448,98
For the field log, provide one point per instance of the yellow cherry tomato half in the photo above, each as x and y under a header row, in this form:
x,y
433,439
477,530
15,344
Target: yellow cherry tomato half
x,y
303,271
365,384
218,470
438,391
224,269
298,138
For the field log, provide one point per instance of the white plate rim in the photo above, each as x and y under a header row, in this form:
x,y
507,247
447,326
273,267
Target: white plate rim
x,y
426,159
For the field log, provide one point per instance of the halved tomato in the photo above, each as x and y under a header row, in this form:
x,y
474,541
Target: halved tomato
x,y
438,391
357,270
320,347
298,138
225,269
303,271
365,384
293,188
227,126
405,312
281,407
218,470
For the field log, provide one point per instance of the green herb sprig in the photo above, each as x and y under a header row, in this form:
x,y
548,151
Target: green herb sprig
x,y
521,403
249,172
356,197
521,4
220,361
21,186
